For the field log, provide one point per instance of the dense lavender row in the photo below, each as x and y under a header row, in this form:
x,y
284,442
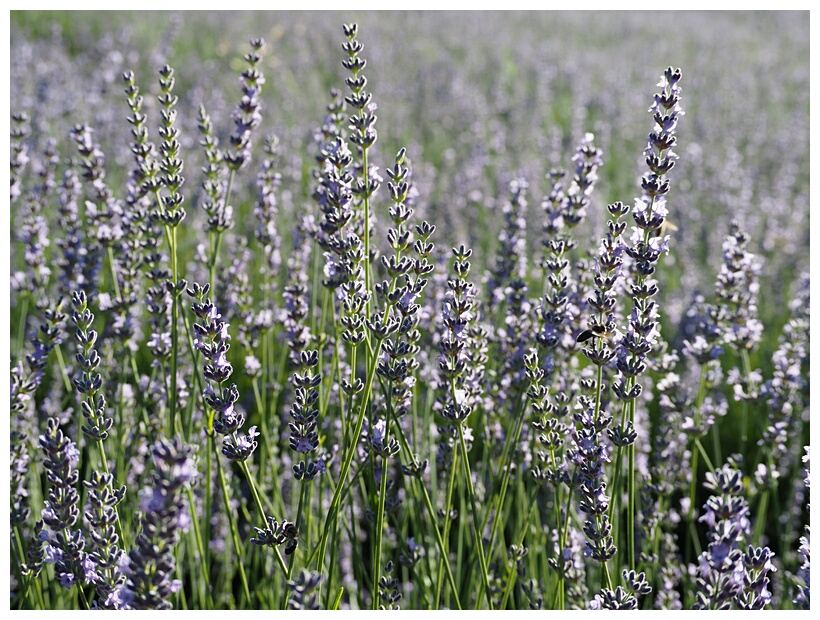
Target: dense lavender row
x,y
256,371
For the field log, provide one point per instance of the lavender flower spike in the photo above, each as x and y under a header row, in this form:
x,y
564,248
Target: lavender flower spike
x,y
150,564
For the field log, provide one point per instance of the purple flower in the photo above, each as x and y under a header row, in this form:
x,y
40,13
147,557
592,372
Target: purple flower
x,y
119,597
90,573
52,554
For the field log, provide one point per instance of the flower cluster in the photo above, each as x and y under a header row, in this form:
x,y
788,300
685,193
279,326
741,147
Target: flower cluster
x,y
144,178
150,564
302,589
457,313
102,566
737,289
389,595
590,455
19,155
304,415
72,262
510,263
408,279
58,542
26,379
247,116
720,566
220,217
33,231
277,534
266,208
211,338
295,293
803,597
650,214
571,437
90,382
171,213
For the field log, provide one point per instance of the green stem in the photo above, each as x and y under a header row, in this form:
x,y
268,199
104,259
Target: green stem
x,y
630,513
693,483
244,467
203,568
21,325
447,522
170,234
332,516
471,494
608,576
510,580
338,600
512,439
19,551
208,489
432,514
760,521
63,370
237,546
114,282
212,262
379,531
302,494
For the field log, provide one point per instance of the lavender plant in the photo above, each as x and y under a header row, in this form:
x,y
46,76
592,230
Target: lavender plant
x,y
564,413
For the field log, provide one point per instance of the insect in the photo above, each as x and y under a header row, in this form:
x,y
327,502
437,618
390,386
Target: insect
x,y
596,331
292,537
664,229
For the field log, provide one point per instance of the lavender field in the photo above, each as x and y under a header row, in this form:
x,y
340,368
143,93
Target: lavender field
x,y
409,310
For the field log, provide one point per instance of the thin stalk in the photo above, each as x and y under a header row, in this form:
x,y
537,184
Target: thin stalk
x,y
608,576
510,580
213,260
744,407
693,482
63,370
432,514
617,475
18,548
630,513
333,512
716,443
379,531
83,599
112,267
331,570
172,241
21,325
208,489
237,546
562,536
760,521
244,467
203,569
338,600
504,468
471,494
447,521
302,494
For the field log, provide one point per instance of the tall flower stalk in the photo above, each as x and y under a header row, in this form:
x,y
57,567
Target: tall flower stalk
x,y
647,245
170,214
103,520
